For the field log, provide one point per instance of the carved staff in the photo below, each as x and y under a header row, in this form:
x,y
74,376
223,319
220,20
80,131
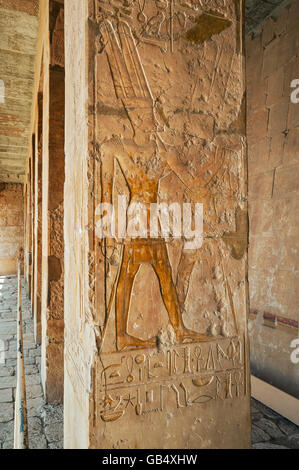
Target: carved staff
x,y
21,425
111,298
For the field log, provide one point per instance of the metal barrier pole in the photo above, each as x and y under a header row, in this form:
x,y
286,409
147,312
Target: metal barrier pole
x,y
21,424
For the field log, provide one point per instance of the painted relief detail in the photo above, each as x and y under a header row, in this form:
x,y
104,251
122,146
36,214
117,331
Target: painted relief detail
x,y
135,157
143,161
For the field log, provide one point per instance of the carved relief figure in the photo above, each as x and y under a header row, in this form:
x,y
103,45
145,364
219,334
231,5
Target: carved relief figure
x,y
144,160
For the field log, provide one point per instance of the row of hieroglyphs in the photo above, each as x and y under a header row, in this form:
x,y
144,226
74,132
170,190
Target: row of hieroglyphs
x,y
181,376
161,22
161,397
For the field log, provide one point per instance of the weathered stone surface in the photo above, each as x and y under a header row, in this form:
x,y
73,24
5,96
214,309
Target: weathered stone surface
x,y
31,7
6,412
294,441
272,64
264,445
32,380
34,425
8,328
54,432
34,406
30,361
6,395
165,124
8,444
6,371
34,352
11,226
31,370
37,441
258,435
7,382
52,413
270,428
287,427
35,400
6,430
34,391
17,48
55,445
12,362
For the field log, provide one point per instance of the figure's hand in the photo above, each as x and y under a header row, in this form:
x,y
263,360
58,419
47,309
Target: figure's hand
x,y
109,250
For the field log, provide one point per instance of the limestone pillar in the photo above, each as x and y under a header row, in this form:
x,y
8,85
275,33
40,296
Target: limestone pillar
x,y
38,222
32,221
52,302
26,234
156,348
28,230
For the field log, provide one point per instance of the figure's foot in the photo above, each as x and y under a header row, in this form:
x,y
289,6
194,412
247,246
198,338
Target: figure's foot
x,y
129,342
187,336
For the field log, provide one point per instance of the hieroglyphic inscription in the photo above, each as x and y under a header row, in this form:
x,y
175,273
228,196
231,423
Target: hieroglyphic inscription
x,y
143,382
162,22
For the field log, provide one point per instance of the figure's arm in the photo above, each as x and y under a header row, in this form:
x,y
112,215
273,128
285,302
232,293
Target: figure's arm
x,y
107,172
193,184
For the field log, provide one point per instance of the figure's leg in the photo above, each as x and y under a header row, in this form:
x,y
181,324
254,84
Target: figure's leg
x,y
163,270
185,268
127,275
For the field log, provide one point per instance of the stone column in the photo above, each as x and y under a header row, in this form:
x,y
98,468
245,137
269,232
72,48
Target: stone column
x,y
28,232
52,302
38,222
156,349
32,222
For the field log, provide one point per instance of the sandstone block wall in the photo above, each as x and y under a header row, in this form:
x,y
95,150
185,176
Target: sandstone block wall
x,y
273,159
11,226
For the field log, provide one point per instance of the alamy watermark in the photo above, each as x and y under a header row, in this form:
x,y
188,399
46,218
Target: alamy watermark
x,y
295,354
151,220
2,92
295,93
2,352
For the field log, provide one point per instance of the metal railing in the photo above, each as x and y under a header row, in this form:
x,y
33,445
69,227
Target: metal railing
x,y
21,423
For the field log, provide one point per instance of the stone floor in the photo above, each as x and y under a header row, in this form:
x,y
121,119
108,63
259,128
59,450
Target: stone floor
x,y
45,422
269,430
